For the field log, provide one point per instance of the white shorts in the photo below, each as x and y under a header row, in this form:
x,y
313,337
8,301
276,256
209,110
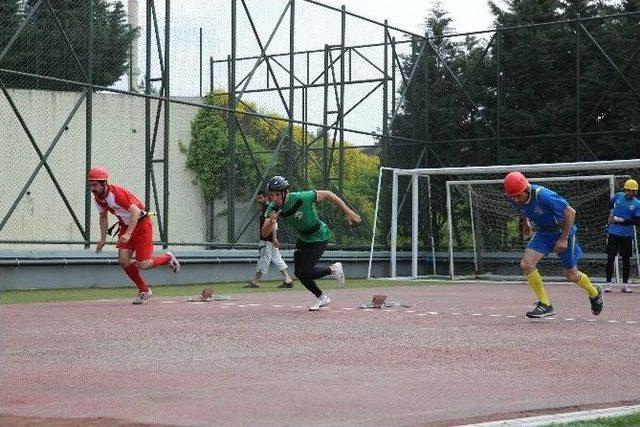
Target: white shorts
x,y
268,255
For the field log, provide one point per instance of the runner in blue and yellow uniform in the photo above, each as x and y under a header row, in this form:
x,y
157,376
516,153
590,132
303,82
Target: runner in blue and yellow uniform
x,y
625,213
298,210
553,219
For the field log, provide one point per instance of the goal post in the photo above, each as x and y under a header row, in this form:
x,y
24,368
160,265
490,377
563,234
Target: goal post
x,y
422,215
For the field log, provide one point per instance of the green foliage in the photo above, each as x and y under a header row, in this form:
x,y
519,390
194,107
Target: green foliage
x,y
41,47
209,155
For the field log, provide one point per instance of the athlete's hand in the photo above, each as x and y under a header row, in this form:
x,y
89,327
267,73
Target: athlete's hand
x,y
124,238
276,243
353,217
99,246
561,245
617,219
527,230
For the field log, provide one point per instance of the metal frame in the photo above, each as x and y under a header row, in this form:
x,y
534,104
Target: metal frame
x,y
335,77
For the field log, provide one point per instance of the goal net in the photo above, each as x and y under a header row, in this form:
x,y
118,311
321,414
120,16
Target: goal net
x,y
456,223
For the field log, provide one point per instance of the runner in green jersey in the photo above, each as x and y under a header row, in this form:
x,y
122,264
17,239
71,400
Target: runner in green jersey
x,y
298,210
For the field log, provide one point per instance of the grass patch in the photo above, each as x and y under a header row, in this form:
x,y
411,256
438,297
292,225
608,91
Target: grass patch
x,y
80,294
625,421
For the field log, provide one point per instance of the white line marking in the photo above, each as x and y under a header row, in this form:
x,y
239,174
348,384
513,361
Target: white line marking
x,y
172,302
277,305
422,314
410,311
455,313
495,315
389,309
631,322
432,312
511,316
477,314
569,319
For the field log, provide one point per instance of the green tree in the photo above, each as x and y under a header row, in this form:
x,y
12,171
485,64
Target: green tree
x,y
41,47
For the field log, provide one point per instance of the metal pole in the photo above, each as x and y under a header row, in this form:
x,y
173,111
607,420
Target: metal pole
x,y
148,155
414,225
291,156
385,85
394,223
612,192
449,222
88,125
498,94
325,107
375,223
341,104
473,232
393,75
167,119
577,89
232,128
426,105
433,244
200,67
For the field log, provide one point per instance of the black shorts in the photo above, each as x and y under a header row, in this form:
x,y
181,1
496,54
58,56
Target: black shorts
x,y
619,245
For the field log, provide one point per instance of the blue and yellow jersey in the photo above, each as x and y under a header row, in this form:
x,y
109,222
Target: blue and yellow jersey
x,y
625,208
545,209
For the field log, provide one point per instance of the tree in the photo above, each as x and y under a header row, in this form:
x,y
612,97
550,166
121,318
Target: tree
x,y
41,48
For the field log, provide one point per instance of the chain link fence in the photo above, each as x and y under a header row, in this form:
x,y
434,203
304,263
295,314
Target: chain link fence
x,y
321,95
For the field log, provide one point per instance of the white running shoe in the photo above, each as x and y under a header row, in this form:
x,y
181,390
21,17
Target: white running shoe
x,y
338,274
322,301
608,287
173,262
142,296
626,289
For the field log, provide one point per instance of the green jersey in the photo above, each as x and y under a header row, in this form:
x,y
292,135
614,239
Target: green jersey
x,y
299,211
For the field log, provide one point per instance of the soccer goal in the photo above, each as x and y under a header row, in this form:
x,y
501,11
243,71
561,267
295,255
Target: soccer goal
x,y
456,222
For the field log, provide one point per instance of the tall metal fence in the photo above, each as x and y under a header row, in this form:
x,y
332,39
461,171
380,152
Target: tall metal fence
x,y
195,106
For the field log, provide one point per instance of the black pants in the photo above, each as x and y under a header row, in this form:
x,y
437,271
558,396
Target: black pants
x,y
305,258
623,246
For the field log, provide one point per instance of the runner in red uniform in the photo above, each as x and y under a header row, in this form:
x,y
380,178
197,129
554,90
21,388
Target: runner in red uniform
x,y
135,233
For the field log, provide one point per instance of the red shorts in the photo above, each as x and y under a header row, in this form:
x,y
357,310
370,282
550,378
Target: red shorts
x,y
141,241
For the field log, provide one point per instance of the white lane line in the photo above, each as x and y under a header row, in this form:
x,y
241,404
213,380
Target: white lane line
x,y
432,312
569,319
477,314
277,305
173,302
422,314
495,315
410,311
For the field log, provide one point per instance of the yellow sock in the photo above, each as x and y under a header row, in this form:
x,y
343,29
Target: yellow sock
x,y
535,280
586,284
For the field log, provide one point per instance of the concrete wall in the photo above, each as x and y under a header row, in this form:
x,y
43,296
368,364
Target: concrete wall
x,y
118,143
83,269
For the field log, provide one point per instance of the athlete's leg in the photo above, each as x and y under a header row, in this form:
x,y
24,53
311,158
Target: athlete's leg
x,y
529,265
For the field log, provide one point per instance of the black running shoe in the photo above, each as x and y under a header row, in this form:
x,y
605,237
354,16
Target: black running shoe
x,y
286,285
541,310
597,302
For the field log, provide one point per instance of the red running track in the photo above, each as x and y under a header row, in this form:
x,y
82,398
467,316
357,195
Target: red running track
x,y
459,354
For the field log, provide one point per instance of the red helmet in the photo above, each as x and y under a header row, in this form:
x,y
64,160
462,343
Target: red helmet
x,y
98,173
515,184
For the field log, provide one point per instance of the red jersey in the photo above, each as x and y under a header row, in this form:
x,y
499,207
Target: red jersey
x,y
118,200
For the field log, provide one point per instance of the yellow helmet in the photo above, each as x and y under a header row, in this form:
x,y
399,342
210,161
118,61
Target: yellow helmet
x,y
631,184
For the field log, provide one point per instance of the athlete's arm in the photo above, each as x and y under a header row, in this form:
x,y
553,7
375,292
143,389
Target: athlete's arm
x,y
563,241
322,195
104,225
270,224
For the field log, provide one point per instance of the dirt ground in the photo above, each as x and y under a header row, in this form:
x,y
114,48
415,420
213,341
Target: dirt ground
x,y
458,354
